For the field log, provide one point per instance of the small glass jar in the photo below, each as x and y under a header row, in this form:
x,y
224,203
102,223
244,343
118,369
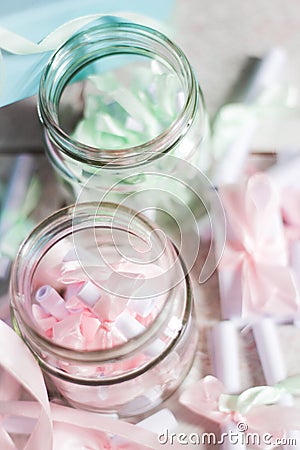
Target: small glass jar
x,y
121,109
121,351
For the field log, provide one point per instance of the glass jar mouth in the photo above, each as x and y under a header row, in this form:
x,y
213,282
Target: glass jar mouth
x,y
34,248
99,41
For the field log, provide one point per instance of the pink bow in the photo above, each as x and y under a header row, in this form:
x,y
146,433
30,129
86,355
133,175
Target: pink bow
x,y
51,426
254,274
203,398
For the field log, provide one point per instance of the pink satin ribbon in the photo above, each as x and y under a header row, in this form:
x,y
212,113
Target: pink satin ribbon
x,y
254,274
57,427
203,398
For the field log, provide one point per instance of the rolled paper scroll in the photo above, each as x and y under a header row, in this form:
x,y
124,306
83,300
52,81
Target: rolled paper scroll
x,y
89,293
270,353
223,341
131,328
241,114
285,173
51,302
230,167
225,361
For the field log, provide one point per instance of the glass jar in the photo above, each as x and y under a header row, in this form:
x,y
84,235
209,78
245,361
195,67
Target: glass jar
x,y
117,334
122,112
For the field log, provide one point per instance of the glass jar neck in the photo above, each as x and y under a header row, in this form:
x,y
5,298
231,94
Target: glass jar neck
x,y
99,41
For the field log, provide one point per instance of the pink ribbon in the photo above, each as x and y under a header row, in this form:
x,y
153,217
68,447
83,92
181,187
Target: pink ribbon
x,y
254,274
203,398
55,427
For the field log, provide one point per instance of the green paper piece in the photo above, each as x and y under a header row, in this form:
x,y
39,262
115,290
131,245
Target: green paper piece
x,y
278,100
32,197
290,385
256,396
121,113
22,224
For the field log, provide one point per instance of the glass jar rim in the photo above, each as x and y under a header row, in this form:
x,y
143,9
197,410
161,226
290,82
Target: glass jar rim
x,y
51,88
49,227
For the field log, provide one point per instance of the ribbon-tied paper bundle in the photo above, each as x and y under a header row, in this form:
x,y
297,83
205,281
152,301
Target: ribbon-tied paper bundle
x,y
254,273
256,407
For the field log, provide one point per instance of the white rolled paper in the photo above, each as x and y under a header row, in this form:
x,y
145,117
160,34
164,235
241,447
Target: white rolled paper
x,y
270,70
159,422
142,306
83,256
285,173
128,325
225,360
295,262
141,403
225,355
51,302
269,350
273,364
130,328
230,167
155,348
89,293
229,286
134,125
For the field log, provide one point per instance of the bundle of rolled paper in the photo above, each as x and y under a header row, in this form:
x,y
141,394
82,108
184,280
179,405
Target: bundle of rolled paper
x,y
88,314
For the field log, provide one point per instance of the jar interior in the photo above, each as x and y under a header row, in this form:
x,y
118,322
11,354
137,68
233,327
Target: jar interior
x,y
121,101
99,287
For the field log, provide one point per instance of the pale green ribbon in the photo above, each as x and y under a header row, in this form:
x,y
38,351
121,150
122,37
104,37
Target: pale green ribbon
x,y
14,43
279,100
22,223
259,395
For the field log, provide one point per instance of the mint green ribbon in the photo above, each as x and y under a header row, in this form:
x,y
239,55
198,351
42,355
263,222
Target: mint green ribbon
x,y
15,44
259,395
22,223
279,100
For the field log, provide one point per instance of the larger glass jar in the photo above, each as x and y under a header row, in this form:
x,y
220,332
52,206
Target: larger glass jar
x,y
102,299
124,116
